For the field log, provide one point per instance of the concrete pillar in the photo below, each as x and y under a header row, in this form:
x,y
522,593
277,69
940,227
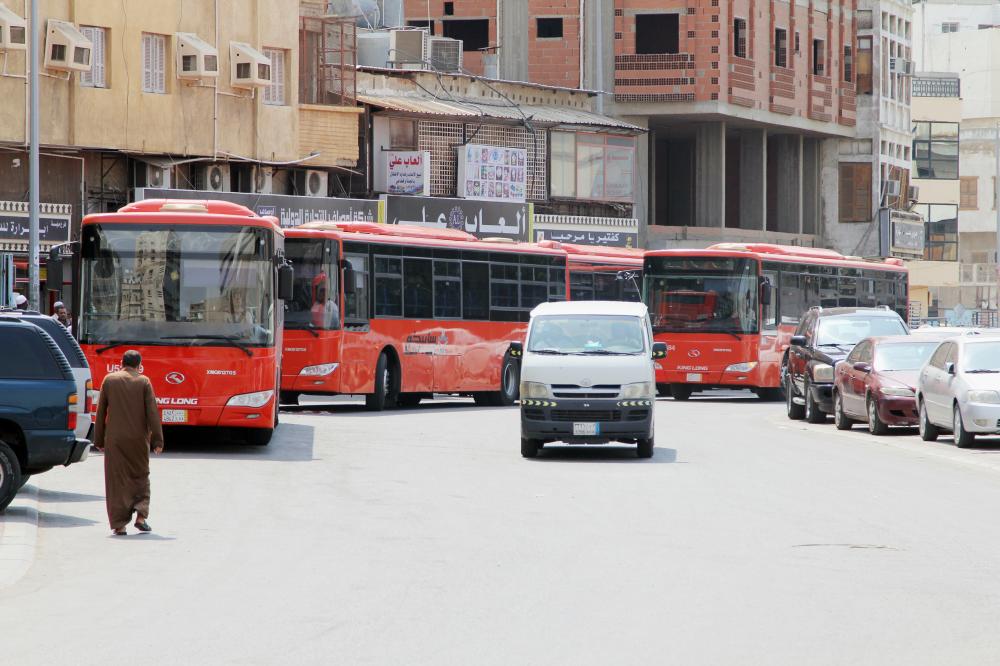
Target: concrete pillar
x,y
513,38
710,175
810,186
788,210
753,179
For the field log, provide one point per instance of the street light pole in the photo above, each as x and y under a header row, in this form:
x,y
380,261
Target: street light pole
x,y
33,272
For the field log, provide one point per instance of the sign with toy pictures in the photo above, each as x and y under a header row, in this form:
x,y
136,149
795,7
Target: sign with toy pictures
x,y
493,173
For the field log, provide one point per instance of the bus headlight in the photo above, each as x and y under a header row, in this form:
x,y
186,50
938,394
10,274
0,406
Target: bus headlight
x,y
318,370
742,367
534,390
638,390
988,397
821,372
255,400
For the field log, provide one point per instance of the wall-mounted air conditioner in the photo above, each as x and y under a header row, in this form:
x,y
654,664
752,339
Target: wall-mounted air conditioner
x,y
311,183
408,49
446,54
151,174
13,31
250,67
373,48
263,179
212,177
913,193
196,58
901,66
892,188
66,48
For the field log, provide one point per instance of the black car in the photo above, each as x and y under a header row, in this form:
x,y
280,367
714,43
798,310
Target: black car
x,y
37,396
825,336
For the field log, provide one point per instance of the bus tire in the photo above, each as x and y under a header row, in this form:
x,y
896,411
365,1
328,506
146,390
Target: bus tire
x,y
529,447
663,390
258,436
409,399
770,394
385,393
510,377
680,391
289,397
10,475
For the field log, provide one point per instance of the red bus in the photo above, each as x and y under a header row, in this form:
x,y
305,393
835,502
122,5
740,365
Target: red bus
x,y
399,312
727,312
194,286
603,273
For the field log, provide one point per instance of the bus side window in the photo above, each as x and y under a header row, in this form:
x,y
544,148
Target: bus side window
x,y
791,298
476,290
356,288
557,284
770,311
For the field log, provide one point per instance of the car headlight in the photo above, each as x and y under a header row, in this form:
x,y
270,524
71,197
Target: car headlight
x,y
638,390
899,391
318,370
258,399
742,367
534,390
821,372
989,397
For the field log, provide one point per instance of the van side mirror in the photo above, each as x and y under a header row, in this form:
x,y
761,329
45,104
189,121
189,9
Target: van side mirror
x,y
765,293
798,341
54,270
516,350
286,277
949,367
659,350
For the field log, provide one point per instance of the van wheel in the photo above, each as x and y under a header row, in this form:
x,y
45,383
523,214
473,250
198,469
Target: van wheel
x,y
680,391
645,448
384,396
510,376
529,447
24,480
10,475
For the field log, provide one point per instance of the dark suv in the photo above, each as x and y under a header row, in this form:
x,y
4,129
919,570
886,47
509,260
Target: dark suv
x,y
37,396
825,336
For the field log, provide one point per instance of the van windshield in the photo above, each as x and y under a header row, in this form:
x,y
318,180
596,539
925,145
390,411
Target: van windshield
x,y
586,334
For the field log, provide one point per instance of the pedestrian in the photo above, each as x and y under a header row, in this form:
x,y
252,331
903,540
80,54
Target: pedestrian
x,y
61,315
128,425
20,301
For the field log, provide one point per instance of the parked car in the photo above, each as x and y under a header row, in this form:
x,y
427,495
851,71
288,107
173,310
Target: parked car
x,y
37,396
587,375
823,337
959,389
77,362
877,382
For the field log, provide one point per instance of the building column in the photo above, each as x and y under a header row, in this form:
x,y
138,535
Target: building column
x,y
753,179
710,175
810,186
789,184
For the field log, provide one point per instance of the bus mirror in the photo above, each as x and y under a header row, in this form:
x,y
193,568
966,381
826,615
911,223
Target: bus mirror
x,y
54,270
285,278
350,284
798,341
627,275
659,350
765,293
516,350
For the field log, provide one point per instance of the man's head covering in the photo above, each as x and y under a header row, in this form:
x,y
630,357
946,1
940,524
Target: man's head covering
x,y
59,304
20,300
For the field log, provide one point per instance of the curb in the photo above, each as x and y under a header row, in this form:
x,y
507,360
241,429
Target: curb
x,y
18,534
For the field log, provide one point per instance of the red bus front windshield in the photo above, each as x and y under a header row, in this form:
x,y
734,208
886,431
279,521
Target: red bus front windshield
x,y
316,291
177,285
702,294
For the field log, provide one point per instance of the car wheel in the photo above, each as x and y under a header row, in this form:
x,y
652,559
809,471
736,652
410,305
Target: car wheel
x,y
876,425
963,438
839,418
795,411
680,391
645,448
10,475
928,431
813,413
529,447
24,480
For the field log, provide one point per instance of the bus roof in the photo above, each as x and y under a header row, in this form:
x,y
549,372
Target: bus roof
x,y
784,253
184,211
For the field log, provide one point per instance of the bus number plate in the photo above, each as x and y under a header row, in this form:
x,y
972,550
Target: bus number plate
x,y
175,416
586,429
694,376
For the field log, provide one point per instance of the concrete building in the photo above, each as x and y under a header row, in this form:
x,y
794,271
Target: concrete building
x,y
945,17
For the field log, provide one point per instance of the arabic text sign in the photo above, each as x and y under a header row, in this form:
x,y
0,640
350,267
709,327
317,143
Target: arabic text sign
x,y
583,230
51,229
404,172
492,172
482,219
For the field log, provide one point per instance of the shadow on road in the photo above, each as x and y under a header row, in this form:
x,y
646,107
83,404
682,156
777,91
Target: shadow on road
x,y
60,496
292,442
602,454
358,409
139,536
47,519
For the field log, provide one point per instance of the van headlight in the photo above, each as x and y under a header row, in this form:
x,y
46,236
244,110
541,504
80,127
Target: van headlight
x,y
637,390
255,400
318,370
821,372
988,397
742,367
534,390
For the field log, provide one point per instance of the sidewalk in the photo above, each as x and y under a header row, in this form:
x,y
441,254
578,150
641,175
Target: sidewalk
x,y
18,533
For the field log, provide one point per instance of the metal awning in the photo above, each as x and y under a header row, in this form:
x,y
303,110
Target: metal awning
x,y
465,108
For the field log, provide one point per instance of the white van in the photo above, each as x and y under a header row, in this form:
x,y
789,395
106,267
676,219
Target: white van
x,y
587,375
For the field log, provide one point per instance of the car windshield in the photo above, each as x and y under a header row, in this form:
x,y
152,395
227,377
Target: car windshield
x,y
174,284
586,334
904,355
981,356
698,294
849,330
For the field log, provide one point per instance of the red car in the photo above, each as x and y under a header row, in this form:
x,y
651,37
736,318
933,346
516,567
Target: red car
x,y
876,383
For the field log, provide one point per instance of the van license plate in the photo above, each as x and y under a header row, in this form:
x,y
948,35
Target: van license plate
x,y
585,429
694,377
175,416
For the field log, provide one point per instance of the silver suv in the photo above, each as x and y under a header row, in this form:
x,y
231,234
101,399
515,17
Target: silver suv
x,y
959,389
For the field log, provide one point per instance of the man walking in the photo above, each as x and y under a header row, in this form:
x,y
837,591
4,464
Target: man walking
x,y
128,425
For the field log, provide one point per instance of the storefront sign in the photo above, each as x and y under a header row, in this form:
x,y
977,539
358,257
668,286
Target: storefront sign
x,y
482,219
492,172
901,233
404,172
290,210
15,227
606,231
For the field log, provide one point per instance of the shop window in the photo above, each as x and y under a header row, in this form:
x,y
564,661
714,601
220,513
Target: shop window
x,y
597,167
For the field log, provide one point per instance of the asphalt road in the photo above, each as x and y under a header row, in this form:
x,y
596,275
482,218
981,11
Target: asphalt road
x,y
422,537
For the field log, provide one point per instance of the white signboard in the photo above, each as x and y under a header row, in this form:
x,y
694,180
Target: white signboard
x,y
404,172
492,172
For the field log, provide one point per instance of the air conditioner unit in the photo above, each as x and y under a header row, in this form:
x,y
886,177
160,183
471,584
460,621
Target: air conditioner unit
x,y
446,54
196,58
250,68
908,67
901,66
913,193
408,49
149,174
892,188
311,183
263,180
212,178
66,48
13,31
373,49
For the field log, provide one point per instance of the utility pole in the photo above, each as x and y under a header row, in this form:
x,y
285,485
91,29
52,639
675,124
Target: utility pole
x,y
996,197
33,273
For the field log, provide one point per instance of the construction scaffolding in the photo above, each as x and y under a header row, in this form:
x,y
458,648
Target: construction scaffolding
x,y
327,60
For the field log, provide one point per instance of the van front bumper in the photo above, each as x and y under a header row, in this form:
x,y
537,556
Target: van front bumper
x,y
616,420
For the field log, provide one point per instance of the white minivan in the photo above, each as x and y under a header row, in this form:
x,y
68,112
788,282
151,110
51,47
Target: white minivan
x,y
587,375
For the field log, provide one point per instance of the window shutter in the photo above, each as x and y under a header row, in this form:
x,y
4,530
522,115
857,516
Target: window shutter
x,y
278,76
269,89
87,78
97,58
160,73
147,63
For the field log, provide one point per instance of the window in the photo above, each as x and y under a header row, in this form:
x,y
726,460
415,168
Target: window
x,y
449,9
422,23
864,19
97,76
951,26
402,134
475,290
475,34
418,289
26,355
274,94
58,53
549,28
819,57
848,65
356,288
534,285
940,231
657,33
447,289
780,47
154,63
388,287
968,199
855,192
864,73
598,167
935,150
740,38
504,287
797,43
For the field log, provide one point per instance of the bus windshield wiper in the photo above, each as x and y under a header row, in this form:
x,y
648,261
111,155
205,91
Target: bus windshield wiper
x,y
231,339
548,351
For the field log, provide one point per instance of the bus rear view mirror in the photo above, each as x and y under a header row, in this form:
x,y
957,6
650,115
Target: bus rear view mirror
x,y
285,278
765,293
659,350
350,284
798,341
54,270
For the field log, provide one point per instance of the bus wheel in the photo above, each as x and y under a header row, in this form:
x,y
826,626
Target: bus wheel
x,y
259,436
384,396
509,378
663,390
409,399
770,394
289,398
680,391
